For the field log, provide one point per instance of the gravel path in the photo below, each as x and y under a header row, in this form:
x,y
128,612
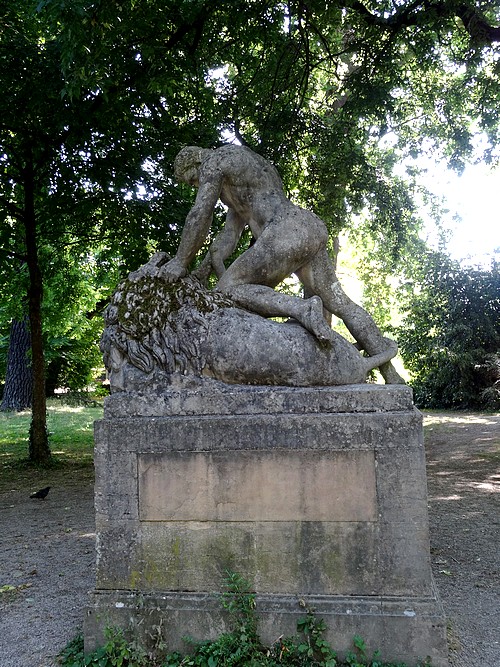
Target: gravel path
x,y
47,550
463,471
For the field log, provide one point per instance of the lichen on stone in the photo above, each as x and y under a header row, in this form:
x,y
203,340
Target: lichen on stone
x,y
156,324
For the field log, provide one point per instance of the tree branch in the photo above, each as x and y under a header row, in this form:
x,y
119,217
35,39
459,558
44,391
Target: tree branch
x,y
480,31
474,22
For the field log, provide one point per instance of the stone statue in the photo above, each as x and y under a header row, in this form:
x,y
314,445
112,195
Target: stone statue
x,y
161,333
288,239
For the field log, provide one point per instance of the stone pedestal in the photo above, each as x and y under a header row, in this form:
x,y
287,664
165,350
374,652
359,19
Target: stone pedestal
x,y
314,495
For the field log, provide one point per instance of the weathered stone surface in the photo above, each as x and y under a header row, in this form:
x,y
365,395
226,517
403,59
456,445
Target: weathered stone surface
x,y
217,486
217,398
308,493
403,629
261,431
299,558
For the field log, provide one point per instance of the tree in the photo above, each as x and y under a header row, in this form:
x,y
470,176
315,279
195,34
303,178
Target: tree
x,y
27,143
315,87
73,172
15,345
450,335
17,393
77,289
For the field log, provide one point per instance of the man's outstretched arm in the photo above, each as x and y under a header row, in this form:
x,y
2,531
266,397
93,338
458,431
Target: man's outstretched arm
x,y
196,228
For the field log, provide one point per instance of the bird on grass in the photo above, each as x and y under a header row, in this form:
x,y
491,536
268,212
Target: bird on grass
x,y
42,494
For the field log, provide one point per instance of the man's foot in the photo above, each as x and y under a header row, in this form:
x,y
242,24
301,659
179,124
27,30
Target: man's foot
x,y
390,374
314,321
172,271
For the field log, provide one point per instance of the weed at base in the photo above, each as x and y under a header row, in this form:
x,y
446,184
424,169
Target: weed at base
x,y
241,647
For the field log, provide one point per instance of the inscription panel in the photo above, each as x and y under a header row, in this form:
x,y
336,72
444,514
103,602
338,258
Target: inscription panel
x,y
257,486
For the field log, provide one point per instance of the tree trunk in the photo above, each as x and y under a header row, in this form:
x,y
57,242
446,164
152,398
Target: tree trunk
x,y
39,451
18,390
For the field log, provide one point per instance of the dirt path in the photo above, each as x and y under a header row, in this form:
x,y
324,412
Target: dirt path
x,y
463,464
47,553
47,549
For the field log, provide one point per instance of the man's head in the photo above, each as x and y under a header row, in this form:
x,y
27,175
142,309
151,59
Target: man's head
x,y
187,164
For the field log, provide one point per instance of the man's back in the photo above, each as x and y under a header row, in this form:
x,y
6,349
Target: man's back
x,y
250,186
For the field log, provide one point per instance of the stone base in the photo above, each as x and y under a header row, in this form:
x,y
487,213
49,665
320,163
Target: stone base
x,y
402,629
316,495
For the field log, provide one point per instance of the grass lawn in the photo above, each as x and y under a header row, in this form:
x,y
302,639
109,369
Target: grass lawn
x,y
70,437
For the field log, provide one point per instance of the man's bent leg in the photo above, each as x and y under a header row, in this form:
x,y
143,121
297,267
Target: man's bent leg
x,y
267,302
320,278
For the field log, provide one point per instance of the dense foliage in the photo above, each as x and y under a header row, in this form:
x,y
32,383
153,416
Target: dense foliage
x,y
450,337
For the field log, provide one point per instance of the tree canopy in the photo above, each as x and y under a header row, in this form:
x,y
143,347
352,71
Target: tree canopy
x,y
335,93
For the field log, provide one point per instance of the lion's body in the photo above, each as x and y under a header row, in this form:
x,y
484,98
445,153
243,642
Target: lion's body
x,y
166,329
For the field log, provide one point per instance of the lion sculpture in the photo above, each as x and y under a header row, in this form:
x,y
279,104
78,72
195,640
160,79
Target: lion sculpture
x,y
157,331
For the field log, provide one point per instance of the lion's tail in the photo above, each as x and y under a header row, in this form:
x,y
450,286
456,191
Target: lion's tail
x,y
382,357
